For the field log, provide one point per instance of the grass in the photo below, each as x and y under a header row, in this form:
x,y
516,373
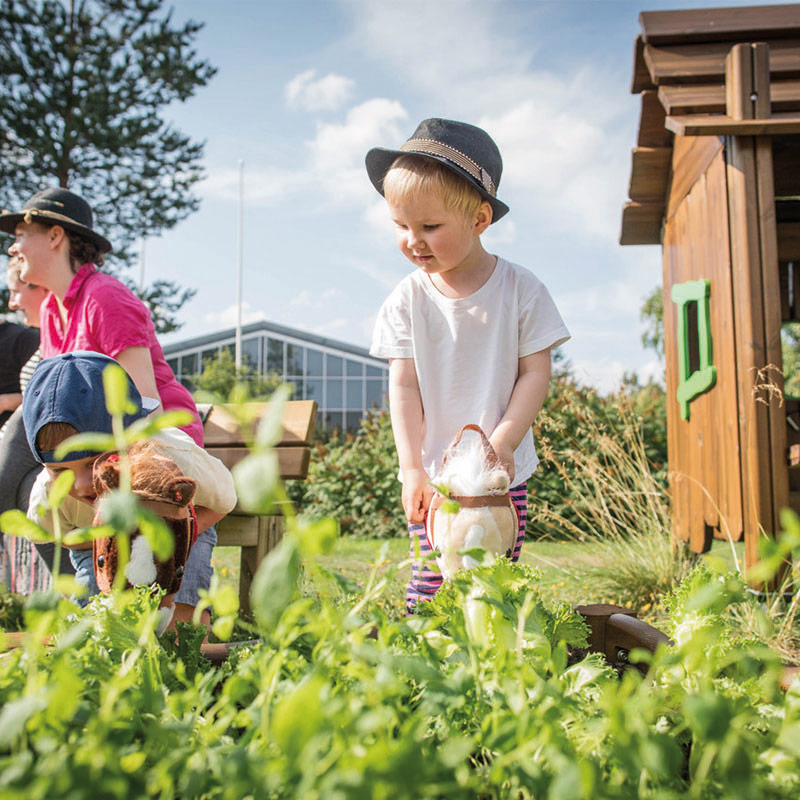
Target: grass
x,y
354,557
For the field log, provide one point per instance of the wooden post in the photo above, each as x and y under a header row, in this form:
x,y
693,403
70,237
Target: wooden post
x,y
754,262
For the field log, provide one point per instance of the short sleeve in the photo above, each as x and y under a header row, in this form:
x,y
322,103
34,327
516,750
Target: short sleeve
x,y
540,324
215,487
72,513
391,337
118,319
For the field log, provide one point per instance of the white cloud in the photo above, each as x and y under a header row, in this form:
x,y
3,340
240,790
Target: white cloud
x,y
324,94
317,300
604,374
499,235
448,43
334,327
376,215
337,151
262,185
226,318
559,132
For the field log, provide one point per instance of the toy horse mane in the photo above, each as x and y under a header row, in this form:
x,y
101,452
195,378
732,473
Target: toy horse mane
x,y
161,487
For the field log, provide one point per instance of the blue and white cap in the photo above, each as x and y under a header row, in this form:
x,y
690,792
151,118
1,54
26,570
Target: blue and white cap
x,y
69,388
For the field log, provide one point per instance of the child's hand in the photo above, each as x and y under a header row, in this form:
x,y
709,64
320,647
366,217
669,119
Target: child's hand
x,y
417,495
506,456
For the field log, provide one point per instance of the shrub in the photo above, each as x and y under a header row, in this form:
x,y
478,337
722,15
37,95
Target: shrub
x,y
572,433
353,478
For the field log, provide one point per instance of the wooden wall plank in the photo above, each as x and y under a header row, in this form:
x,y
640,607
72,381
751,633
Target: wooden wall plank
x,y
762,103
709,24
783,279
726,416
641,223
723,125
705,63
739,82
652,132
649,174
671,264
750,343
768,237
789,249
709,98
700,435
691,158
786,161
641,77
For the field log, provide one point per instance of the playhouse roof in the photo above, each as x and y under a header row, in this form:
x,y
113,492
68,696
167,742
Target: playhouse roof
x,y
679,71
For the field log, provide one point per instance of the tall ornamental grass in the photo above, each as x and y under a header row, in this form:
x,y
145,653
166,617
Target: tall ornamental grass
x,y
615,501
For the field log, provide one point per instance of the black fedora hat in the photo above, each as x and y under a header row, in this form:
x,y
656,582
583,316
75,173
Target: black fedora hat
x,y
60,207
465,149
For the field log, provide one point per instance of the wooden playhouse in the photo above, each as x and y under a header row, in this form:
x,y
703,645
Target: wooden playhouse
x,y
715,181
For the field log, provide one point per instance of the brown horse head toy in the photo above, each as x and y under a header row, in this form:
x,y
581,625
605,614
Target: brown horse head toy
x,y
161,488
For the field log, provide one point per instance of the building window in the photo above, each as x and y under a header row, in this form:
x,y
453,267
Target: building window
x,y
374,393
333,366
313,363
188,365
275,357
314,389
333,419
355,369
355,394
353,420
334,395
250,354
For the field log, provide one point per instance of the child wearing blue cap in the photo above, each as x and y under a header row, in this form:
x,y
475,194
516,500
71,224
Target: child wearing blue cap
x,y
65,396
467,334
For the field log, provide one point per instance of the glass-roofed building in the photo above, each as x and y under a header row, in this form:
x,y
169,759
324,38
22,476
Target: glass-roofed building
x,y
345,380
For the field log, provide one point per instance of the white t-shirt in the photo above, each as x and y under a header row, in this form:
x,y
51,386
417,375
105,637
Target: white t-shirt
x,y
466,351
215,488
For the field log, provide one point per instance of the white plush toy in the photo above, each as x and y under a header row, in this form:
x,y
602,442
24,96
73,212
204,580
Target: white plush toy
x,y
486,517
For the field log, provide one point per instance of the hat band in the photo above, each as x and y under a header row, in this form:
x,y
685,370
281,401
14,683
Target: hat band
x,y
31,212
434,148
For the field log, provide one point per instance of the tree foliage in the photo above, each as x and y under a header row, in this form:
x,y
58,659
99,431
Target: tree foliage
x,y
652,315
82,87
219,378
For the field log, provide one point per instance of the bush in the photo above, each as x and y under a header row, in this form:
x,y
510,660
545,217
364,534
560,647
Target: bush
x,y
353,478
572,434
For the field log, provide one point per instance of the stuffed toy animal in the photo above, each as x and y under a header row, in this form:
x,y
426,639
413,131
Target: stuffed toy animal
x,y
486,517
160,487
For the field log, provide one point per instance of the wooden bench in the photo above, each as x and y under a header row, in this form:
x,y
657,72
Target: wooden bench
x,y
257,535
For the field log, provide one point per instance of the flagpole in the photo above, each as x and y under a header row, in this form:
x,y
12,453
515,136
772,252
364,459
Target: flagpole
x,y
239,271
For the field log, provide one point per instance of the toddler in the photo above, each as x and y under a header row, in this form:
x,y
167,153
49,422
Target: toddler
x,y
467,334
65,396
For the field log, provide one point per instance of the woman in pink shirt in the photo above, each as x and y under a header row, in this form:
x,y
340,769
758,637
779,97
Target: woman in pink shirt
x,y
87,309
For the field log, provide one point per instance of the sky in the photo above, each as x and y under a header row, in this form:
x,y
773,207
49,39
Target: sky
x,y
306,87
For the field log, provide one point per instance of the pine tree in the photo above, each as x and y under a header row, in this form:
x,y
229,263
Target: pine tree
x,y
82,85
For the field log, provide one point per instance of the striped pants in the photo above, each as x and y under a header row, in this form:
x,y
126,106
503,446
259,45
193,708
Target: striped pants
x,y
425,576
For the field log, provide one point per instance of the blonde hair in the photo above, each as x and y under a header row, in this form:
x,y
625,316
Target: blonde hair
x,y
51,434
15,267
411,175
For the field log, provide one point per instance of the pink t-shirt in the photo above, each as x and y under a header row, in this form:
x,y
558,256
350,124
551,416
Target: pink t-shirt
x,y
105,316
